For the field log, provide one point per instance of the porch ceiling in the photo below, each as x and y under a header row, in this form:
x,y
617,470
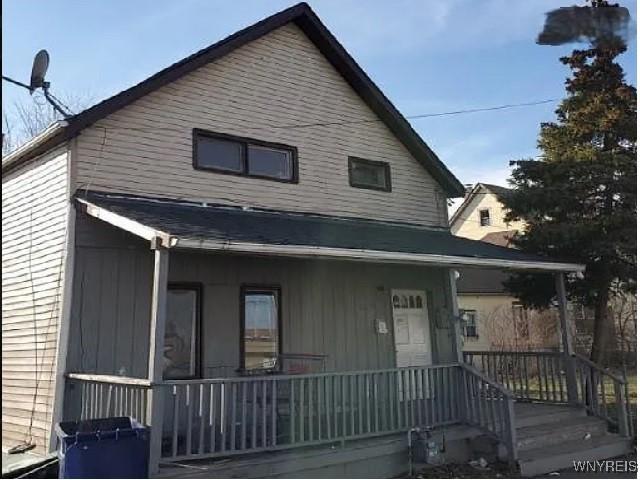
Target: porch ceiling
x,y
182,224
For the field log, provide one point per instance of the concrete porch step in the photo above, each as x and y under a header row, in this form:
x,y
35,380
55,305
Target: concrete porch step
x,y
538,461
562,431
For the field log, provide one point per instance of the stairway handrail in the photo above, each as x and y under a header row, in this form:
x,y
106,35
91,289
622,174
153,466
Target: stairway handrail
x,y
505,391
601,369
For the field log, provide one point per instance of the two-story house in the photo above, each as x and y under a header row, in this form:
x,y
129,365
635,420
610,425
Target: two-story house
x,y
493,318
248,252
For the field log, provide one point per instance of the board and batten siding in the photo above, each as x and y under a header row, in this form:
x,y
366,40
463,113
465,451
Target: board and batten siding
x,y
328,307
34,234
277,80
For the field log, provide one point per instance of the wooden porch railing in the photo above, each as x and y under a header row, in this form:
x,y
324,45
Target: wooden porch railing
x,y
97,396
529,375
542,377
490,407
210,418
220,417
605,395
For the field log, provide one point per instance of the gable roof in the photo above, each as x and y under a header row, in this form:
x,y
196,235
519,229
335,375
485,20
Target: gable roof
x,y
302,15
497,190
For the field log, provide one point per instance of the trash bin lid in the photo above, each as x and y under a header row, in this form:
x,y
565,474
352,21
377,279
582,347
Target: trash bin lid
x,y
93,425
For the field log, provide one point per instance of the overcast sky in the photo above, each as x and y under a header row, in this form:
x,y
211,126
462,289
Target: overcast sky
x,y
428,56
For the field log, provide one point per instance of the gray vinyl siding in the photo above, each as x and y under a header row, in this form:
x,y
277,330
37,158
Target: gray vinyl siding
x,y
280,79
34,227
328,307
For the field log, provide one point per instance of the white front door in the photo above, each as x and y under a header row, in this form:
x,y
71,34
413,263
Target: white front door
x,y
411,328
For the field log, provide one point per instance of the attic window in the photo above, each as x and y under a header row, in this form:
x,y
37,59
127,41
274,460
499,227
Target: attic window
x,y
369,174
247,157
485,218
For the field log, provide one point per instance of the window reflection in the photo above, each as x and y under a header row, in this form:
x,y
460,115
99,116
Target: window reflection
x,y
261,332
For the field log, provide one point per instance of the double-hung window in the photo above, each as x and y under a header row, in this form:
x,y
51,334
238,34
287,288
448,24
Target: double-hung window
x,y
244,156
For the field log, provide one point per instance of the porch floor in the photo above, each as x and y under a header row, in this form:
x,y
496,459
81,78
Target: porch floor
x,y
380,457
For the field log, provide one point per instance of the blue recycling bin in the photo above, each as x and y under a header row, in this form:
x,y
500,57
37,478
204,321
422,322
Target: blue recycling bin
x,y
116,447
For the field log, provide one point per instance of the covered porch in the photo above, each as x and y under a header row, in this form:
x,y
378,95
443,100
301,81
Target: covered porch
x,y
333,372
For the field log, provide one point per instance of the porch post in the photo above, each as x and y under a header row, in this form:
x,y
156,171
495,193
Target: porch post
x,y
156,348
457,330
567,344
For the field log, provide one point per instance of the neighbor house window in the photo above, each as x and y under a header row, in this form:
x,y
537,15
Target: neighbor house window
x,y
182,332
470,325
243,156
485,218
260,328
521,320
369,174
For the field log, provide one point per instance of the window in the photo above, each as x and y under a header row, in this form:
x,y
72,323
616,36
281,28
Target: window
x,y
470,325
182,332
260,328
218,154
243,156
521,320
485,218
270,162
369,174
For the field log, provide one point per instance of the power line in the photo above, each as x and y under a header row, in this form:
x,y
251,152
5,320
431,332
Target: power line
x,y
376,120
429,115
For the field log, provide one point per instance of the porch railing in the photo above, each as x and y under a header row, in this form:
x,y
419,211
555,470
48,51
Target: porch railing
x,y
605,395
490,406
220,417
208,418
542,377
532,376
95,396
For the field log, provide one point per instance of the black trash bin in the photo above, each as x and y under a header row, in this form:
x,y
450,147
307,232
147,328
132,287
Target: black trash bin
x,y
116,447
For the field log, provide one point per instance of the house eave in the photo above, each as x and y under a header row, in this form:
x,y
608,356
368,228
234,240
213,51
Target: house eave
x,y
377,256
169,240
52,136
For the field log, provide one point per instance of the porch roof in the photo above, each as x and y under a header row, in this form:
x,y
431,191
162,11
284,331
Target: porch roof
x,y
183,224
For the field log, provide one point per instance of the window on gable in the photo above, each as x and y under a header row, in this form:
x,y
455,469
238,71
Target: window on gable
x,y
218,154
485,218
242,156
369,174
270,162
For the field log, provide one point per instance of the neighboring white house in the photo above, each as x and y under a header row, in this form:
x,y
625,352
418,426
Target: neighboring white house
x,y
482,213
494,318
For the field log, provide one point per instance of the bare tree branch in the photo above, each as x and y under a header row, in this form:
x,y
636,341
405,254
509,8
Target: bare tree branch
x,y
27,118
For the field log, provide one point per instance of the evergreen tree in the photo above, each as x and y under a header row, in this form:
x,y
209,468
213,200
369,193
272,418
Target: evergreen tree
x,y
579,198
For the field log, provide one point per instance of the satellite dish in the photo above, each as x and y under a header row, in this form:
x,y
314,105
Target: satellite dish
x,y
39,70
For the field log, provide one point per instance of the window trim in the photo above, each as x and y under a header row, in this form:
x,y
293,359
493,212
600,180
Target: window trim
x,y
245,142
196,287
259,288
376,163
475,323
488,210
